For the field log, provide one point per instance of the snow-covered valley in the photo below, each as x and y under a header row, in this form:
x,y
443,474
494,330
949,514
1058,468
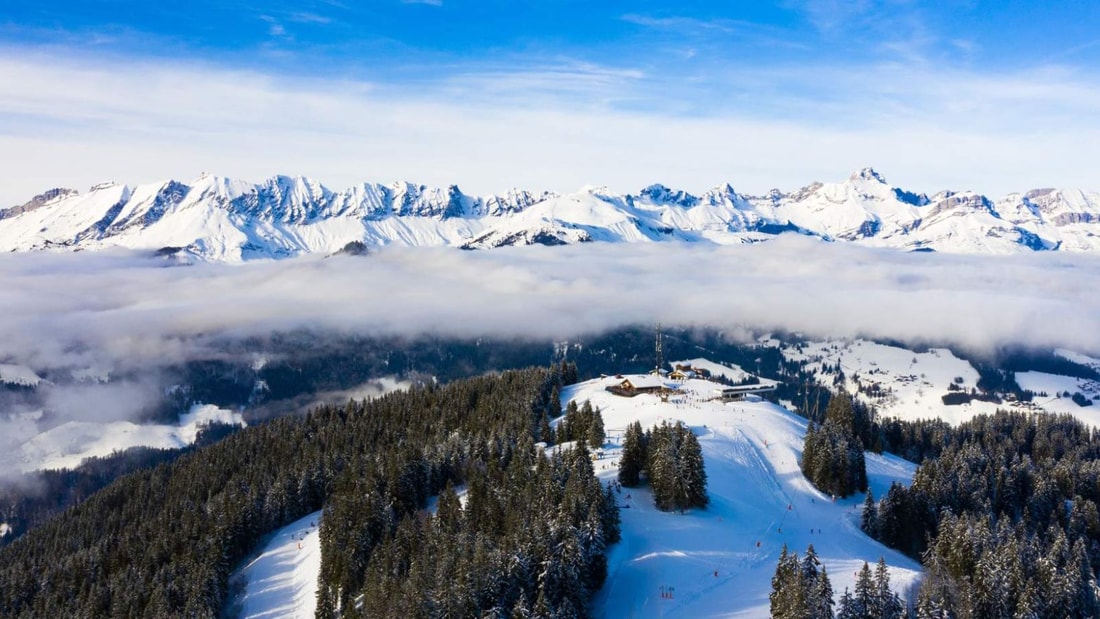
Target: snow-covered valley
x,y
68,444
911,385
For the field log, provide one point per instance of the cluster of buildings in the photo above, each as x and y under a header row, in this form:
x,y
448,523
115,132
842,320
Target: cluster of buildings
x,y
665,384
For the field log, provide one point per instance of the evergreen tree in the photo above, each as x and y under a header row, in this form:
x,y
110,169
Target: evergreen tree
x,y
887,603
839,413
546,431
692,473
675,468
596,436
818,590
634,456
863,603
787,598
834,461
570,427
868,521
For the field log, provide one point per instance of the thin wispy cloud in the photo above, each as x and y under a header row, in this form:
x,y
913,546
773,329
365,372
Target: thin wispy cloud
x,y
546,127
309,18
274,28
682,24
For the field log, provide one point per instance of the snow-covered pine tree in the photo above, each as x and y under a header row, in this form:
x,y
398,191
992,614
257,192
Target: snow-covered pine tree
x,y
787,600
862,603
596,435
634,457
868,521
887,602
817,590
693,471
663,452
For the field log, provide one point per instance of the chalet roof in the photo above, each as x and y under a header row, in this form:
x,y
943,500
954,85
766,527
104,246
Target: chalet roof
x,y
645,381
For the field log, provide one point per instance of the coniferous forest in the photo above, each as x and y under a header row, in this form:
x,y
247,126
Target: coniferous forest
x,y
832,456
162,542
671,459
1003,513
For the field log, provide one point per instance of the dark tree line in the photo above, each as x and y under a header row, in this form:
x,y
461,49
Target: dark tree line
x,y
29,502
671,459
801,590
583,424
832,455
801,587
162,542
530,541
1003,511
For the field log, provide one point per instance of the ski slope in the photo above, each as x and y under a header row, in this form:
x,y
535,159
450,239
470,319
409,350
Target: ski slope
x,y
282,581
719,562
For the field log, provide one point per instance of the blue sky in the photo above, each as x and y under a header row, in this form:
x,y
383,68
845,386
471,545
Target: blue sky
x,y
991,96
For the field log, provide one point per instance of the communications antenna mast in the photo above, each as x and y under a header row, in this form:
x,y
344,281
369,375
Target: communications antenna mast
x,y
660,359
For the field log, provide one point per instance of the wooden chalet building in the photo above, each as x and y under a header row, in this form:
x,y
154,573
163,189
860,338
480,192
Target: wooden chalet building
x,y
631,386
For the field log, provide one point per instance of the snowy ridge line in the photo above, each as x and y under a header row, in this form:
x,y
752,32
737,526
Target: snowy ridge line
x,y
222,219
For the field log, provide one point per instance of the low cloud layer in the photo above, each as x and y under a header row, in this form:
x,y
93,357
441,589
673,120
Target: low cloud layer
x,y
128,315
123,312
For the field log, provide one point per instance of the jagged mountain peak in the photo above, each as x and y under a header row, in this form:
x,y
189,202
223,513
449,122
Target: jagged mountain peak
x,y
868,174
40,200
219,218
661,194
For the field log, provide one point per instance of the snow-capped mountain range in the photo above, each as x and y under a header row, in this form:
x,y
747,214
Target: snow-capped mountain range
x,y
221,219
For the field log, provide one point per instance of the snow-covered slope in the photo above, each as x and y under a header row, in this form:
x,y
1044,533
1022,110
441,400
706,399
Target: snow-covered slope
x,y
216,218
282,580
719,561
911,385
67,444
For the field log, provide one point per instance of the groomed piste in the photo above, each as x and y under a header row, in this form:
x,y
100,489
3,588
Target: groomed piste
x,y
719,561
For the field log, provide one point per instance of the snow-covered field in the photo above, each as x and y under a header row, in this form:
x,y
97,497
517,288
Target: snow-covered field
x,y
898,382
282,580
719,562
910,385
66,445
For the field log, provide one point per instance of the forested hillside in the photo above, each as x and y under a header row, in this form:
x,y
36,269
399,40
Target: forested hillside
x,y
162,542
1003,513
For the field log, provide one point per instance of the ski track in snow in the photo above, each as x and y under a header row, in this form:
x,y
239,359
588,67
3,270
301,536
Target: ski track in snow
x,y
282,580
709,558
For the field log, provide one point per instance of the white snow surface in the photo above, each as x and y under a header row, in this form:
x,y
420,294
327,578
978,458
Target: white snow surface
x,y
18,375
68,444
711,557
730,372
910,385
282,580
1054,386
221,219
